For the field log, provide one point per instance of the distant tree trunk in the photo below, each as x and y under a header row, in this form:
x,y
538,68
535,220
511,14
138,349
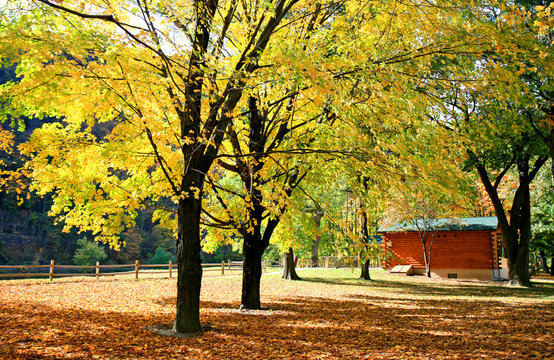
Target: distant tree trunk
x,y
426,260
318,214
365,240
427,251
542,255
289,271
552,265
365,270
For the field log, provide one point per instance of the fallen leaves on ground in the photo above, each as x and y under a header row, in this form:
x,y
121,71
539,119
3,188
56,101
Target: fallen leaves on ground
x,y
329,315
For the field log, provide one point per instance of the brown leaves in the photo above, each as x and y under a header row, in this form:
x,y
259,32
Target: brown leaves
x,y
329,316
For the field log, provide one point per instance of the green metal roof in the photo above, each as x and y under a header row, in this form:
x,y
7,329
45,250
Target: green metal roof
x,y
448,224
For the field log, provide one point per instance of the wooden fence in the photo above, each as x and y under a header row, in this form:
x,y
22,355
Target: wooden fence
x,y
337,262
170,269
52,270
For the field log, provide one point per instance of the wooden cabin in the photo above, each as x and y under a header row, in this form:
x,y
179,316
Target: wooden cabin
x,y
463,248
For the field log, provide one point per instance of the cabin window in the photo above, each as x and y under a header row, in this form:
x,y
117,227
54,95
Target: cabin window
x,y
452,275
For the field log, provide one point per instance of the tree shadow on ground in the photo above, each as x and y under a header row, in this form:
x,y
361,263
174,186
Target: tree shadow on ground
x,y
458,288
336,324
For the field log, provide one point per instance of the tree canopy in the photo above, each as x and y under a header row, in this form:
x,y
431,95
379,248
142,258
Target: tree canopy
x,y
214,112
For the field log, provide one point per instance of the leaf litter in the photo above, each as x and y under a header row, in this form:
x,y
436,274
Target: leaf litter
x,y
329,315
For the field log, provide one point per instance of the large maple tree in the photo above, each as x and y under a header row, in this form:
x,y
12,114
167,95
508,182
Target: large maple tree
x,y
167,75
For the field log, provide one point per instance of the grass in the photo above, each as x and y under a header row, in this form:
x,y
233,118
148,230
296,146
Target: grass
x,y
328,315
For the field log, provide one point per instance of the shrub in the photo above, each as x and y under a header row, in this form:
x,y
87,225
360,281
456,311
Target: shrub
x,y
161,256
88,253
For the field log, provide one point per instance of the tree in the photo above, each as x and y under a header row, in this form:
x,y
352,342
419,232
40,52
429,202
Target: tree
x,y
483,99
285,120
317,214
88,253
493,154
542,215
289,270
169,75
370,213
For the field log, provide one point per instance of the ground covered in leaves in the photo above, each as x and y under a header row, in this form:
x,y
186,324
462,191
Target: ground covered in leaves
x,y
328,315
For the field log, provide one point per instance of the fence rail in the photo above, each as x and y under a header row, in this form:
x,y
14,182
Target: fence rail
x,y
337,262
136,269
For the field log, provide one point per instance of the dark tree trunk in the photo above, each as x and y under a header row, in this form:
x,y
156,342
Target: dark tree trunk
x,y
552,265
189,279
289,271
256,235
365,270
516,230
365,240
542,256
253,248
315,246
520,274
252,272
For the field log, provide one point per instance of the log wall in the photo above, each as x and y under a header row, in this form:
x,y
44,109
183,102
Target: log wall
x,y
451,250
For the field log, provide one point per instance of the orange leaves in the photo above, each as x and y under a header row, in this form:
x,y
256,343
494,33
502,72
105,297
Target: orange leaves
x,y
332,316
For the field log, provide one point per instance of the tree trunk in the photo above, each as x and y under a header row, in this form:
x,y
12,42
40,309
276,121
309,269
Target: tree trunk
x,y
315,246
519,274
365,239
252,272
516,229
289,271
552,265
189,279
542,255
426,258
365,270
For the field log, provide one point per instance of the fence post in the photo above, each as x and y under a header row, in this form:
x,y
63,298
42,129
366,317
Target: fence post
x,y
137,267
51,276
170,268
229,264
222,267
97,270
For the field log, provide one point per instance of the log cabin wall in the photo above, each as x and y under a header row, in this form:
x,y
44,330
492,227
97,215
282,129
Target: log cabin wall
x,y
453,251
